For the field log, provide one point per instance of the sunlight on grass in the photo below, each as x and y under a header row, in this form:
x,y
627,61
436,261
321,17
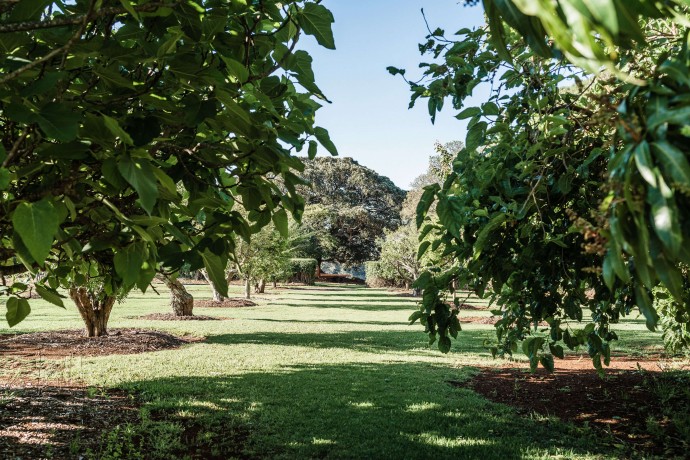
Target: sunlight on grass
x,y
433,439
325,372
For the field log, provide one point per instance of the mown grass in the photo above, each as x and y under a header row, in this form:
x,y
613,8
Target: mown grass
x,y
325,372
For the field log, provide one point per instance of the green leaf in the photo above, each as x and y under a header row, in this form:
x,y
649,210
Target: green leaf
x,y
281,222
444,344
17,309
422,249
323,137
313,147
36,224
316,20
486,231
300,63
128,263
59,122
50,295
643,160
425,202
547,362
4,178
139,174
450,214
117,131
469,112
605,12
215,267
665,217
490,108
129,7
28,10
644,303
674,161
557,351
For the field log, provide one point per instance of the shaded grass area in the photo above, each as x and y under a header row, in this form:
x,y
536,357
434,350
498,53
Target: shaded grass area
x,y
326,372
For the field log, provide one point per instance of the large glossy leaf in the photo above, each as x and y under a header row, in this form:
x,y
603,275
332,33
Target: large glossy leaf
x,y
215,267
58,122
324,139
316,20
674,162
665,217
128,263
36,224
50,295
139,174
17,309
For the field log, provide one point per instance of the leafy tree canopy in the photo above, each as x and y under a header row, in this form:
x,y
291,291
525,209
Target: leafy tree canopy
x,y
348,206
571,190
132,131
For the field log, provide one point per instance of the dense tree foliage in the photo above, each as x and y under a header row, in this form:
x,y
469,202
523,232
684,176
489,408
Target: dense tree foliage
x,y
132,131
348,207
572,188
399,264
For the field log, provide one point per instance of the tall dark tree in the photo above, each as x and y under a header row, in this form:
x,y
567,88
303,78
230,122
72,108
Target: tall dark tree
x,y
348,207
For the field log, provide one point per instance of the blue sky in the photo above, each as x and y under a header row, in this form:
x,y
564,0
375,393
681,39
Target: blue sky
x,y
368,119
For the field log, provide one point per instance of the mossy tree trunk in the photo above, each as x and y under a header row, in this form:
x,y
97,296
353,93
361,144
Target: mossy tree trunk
x,y
94,310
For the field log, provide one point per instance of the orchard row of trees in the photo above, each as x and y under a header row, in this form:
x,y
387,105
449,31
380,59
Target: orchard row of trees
x,y
571,191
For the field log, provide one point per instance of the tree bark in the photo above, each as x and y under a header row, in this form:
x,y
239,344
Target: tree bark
x,y
247,288
275,284
261,286
94,311
181,301
216,295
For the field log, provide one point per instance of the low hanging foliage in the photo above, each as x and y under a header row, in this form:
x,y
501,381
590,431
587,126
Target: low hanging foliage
x,y
133,130
571,193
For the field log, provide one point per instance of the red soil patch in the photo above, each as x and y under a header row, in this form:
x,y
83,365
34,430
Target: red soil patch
x,y
173,317
469,306
620,405
227,303
478,319
61,344
59,422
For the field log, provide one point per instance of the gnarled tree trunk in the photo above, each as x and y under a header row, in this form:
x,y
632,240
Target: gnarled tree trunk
x,y
261,286
94,311
181,301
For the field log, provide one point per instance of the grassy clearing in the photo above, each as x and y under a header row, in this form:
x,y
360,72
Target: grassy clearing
x,y
325,372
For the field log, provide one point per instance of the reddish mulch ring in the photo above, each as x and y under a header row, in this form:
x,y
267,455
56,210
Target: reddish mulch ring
x,y
227,303
479,319
469,306
619,405
61,344
173,317
59,422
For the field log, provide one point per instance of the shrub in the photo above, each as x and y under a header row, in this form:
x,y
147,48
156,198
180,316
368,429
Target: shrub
x,y
303,271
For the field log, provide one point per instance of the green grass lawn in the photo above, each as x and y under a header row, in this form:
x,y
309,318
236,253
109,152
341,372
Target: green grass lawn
x,y
324,372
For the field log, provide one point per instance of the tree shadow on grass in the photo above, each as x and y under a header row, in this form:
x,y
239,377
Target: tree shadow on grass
x,y
346,293
368,306
330,321
471,341
388,410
